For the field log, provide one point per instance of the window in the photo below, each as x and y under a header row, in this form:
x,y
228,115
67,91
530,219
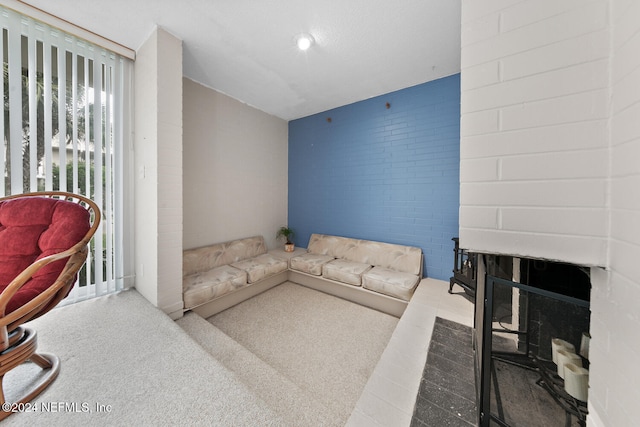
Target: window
x,y
63,120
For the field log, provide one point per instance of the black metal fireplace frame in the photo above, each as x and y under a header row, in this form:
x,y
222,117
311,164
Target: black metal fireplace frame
x,y
483,340
464,269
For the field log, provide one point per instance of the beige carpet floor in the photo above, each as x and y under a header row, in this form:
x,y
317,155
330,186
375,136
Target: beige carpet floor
x,y
326,346
121,353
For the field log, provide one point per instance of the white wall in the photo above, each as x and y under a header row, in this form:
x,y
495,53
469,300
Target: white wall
x,y
615,298
235,169
534,125
551,160
158,171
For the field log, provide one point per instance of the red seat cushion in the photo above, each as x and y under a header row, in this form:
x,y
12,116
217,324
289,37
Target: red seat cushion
x,y
32,228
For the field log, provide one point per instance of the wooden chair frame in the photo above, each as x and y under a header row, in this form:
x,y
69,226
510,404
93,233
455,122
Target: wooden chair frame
x,y
17,343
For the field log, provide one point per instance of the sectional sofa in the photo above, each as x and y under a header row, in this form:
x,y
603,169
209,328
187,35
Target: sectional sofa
x,y
379,275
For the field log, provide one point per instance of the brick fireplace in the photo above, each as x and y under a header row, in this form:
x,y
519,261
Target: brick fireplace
x,y
549,169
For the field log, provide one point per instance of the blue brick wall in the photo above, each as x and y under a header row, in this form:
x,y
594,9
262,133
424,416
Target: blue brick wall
x,y
378,173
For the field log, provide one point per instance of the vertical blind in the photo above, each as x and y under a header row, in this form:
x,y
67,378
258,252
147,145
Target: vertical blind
x,y
62,120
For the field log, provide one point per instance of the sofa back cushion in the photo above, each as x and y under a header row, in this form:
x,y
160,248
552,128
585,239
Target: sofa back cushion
x,y
335,246
205,258
407,259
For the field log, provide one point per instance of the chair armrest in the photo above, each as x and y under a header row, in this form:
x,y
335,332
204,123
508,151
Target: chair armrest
x,y
77,254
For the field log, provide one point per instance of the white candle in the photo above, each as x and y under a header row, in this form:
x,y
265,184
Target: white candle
x,y
576,381
566,356
584,345
559,344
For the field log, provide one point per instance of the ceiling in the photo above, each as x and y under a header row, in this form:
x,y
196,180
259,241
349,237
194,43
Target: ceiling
x,y
246,48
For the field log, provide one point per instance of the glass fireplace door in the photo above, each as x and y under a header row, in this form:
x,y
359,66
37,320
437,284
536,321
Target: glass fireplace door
x,y
517,379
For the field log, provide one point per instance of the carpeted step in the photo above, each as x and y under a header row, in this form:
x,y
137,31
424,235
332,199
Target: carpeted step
x,y
121,354
284,397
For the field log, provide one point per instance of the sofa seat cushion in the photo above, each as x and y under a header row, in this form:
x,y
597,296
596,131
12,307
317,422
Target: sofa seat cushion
x,y
262,266
310,263
345,271
202,287
390,282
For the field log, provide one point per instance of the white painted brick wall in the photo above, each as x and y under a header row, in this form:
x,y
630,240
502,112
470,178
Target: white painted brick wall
x,y
145,169
614,372
170,174
550,107
534,128
158,172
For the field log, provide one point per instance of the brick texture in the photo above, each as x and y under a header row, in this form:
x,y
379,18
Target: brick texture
x,y
616,292
534,129
378,173
550,143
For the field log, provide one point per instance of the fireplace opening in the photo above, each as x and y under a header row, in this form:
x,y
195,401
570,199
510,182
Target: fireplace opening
x,y
528,314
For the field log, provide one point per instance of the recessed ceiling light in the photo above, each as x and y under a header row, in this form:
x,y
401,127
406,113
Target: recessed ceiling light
x,y
304,41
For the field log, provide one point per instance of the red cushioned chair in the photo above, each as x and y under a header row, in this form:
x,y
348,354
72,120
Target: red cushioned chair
x,y
44,240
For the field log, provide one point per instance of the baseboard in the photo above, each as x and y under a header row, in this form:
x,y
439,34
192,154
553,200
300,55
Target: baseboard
x,y
356,294
175,310
229,300
377,301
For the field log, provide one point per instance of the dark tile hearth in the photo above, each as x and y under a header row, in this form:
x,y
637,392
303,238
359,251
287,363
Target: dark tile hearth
x,y
447,390
447,394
